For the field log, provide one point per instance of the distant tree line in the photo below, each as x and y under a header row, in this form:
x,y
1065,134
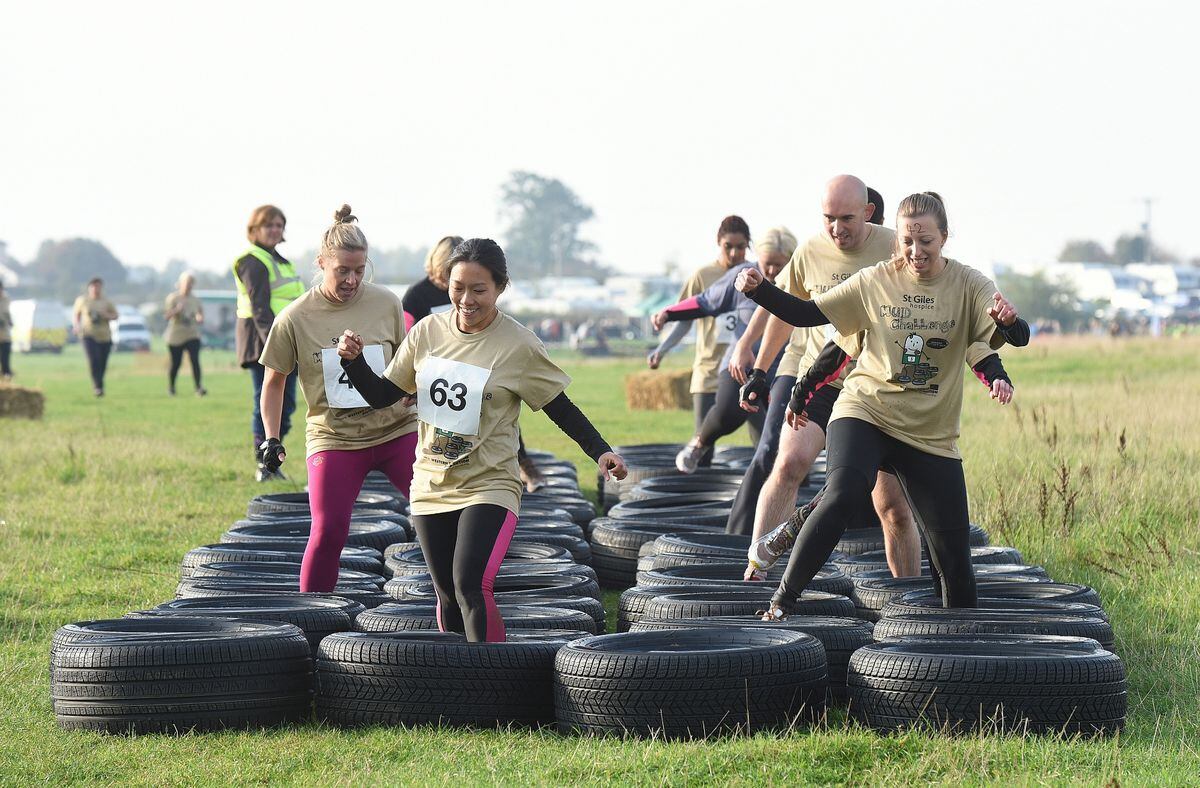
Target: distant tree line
x,y
1128,248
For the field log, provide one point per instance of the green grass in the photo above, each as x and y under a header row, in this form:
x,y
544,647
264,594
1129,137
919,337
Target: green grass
x,y
100,499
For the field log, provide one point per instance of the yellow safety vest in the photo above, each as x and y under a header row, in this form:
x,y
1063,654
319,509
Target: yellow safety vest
x,y
286,287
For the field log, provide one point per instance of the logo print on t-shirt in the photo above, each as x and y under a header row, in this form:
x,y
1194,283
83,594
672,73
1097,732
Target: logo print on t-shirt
x,y
451,446
916,370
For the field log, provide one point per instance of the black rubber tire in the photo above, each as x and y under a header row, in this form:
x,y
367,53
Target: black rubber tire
x,y
360,559
518,568
403,616
579,509
871,595
203,588
348,606
557,527
280,570
920,603
363,534
689,683
704,510
981,570
856,541
704,480
435,678
631,605
506,589
725,602
298,502
710,545
175,674
580,550
615,546
877,559
830,579
590,605
1000,589
997,622
317,617
412,559
840,636
956,683
304,518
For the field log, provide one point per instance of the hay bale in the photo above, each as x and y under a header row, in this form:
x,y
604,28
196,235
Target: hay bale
x,y
21,403
659,390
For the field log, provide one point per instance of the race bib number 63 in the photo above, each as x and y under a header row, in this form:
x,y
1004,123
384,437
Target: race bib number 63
x,y
450,394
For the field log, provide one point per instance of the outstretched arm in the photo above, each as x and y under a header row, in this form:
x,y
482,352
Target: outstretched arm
x,y
674,337
575,425
785,306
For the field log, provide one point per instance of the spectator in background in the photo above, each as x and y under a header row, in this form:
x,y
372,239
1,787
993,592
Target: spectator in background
x,y
266,283
5,336
91,314
184,315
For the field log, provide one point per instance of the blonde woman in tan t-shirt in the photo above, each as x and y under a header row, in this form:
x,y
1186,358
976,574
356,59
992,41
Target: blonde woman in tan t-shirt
x,y
899,409
471,369
184,315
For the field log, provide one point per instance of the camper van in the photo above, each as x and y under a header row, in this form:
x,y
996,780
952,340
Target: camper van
x,y
38,326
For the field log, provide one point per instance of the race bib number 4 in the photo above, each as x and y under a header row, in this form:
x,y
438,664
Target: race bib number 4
x,y
727,328
450,394
339,391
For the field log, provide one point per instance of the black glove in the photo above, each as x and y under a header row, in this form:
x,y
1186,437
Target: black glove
x,y
756,383
801,393
272,454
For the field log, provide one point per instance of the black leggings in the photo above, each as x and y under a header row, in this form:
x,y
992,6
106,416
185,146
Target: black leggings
x,y
5,358
741,516
701,403
936,491
192,346
97,355
726,415
463,550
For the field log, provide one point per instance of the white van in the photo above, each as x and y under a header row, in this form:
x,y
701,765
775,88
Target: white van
x,y
130,333
38,326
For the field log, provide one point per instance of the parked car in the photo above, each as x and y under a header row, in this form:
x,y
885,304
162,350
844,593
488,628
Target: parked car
x,y
38,326
130,333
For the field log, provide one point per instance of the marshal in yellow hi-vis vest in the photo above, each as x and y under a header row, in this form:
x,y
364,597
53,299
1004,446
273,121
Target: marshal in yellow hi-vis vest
x,y
286,287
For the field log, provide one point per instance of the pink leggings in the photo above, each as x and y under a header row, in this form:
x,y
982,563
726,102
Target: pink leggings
x,y
463,550
334,480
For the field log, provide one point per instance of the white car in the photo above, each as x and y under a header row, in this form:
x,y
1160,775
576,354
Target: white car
x,y
130,333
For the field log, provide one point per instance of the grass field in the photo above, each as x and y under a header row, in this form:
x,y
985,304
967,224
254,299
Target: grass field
x,y
1094,473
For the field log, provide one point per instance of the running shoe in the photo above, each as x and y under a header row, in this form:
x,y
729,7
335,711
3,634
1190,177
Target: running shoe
x,y
768,548
202,392
774,613
688,459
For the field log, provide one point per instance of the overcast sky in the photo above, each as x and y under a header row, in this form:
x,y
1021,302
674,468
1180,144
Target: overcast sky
x,y
155,127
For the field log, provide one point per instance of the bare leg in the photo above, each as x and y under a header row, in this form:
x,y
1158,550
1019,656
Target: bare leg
x,y
777,500
900,538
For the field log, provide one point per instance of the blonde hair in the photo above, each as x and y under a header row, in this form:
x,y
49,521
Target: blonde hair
x,y
185,276
777,239
923,204
263,214
439,254
344,235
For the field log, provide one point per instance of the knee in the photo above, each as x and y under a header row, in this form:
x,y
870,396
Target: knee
x,y
845,492
895,515
791,467
468,596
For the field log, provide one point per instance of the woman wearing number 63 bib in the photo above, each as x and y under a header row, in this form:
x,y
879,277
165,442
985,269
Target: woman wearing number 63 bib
x,y
345,438
470,369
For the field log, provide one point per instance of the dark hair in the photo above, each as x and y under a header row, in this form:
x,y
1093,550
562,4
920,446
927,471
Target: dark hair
x,y
95,280
876,199
733,224
485,252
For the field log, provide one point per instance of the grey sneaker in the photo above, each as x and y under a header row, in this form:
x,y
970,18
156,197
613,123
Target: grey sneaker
x,y
768,548
688,459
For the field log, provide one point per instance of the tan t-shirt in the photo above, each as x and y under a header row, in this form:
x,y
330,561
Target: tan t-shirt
x,y
305,336
183,327
710,348
94,314
853,345
5,320
909,378
469,391
817,266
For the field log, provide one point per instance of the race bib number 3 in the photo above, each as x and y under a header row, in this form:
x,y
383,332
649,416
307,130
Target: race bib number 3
x,y
450,394
727,328
339,391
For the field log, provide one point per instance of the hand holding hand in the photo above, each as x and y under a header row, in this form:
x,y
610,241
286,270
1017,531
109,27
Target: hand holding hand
x,y
612,466
350,345
1002,310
